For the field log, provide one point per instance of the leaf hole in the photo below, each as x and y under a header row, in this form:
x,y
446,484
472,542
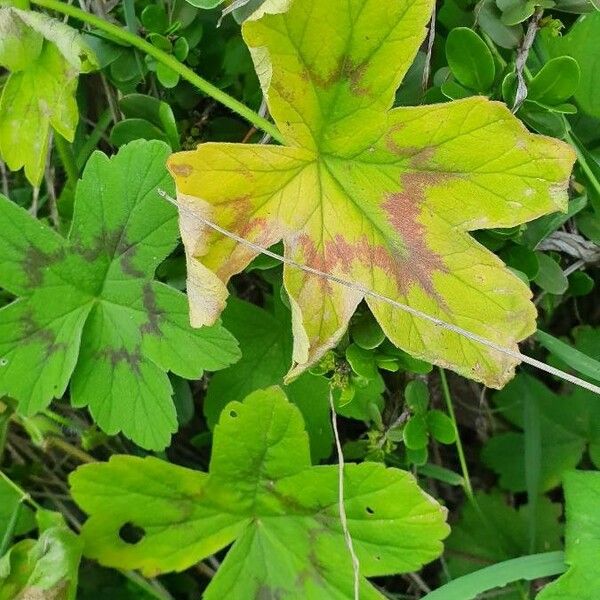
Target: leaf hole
x,y
233,413
370,510
3,362
131,534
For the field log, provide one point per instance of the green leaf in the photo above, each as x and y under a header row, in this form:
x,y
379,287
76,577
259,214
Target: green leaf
x,y
157,112
541,228
470,60
528,568
588,223
261,494
385,197
580,284
88,307
556,81
521,258
45,58
516,11
366,332
129,130
45,568
441,427
16,518
550,277
494,532
568,425
155,19
489,18
581,43
266,346
206,4
417,396
582,540
415,433
168,77
362,361
582,363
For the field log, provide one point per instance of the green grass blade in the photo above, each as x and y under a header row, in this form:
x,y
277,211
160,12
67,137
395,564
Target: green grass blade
x,y
579,361
534,566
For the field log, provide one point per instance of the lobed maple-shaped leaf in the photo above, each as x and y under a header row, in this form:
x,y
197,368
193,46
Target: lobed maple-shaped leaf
x,y
582,540
262,494
383,197
45,58
88,309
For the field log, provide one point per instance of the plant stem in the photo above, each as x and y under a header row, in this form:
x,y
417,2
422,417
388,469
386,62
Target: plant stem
x,y
152,587
166,59
490,44
92,141
71,450
66,158
25,497
459,447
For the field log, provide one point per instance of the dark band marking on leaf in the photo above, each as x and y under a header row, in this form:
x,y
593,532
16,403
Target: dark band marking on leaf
x,y
152,326
35,332
123,355
36,261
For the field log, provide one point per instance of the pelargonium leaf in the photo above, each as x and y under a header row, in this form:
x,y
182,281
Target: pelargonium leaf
x,y
262,494
383,197
45,58
88,309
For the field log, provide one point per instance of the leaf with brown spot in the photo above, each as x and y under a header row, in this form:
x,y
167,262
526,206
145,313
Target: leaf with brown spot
x,y
385,197
88,309
262,495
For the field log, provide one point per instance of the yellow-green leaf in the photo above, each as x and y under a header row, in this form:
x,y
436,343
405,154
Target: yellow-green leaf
x,y
44,57
261,495
384,197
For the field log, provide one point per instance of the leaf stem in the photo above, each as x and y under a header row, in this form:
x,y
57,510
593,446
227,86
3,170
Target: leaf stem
x,y
459,447
71,450
150,586
24,496
95,136
166,59
66,158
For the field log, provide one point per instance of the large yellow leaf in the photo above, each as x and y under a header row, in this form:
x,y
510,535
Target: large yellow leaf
x,y
384,197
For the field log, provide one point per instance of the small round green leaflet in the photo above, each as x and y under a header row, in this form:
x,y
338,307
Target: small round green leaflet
x,y
417,396
262,495
556,82
470,60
